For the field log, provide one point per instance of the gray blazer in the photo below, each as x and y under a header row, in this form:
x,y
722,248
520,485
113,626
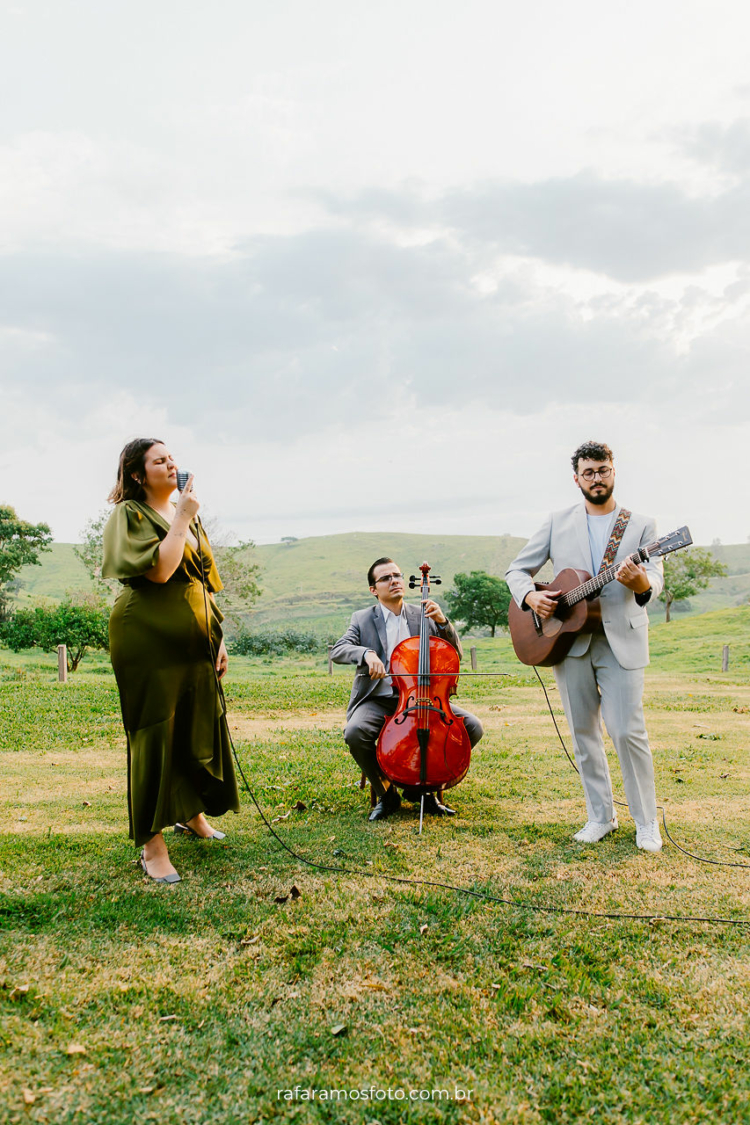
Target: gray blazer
x,y
564,539
367,631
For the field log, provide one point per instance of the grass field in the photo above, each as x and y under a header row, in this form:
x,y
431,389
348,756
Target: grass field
x,y
317,582
209,1002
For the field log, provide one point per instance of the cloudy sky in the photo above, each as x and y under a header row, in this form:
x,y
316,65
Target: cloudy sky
x,y
377,266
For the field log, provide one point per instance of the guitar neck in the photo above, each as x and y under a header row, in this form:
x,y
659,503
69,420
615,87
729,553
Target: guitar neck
x,y
594,585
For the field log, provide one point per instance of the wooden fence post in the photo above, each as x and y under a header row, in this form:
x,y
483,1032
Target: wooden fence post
x,y
330,662
725,659
473,659
62,663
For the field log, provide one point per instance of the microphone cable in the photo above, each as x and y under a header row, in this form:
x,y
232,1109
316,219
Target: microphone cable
x,y
623,804
483,896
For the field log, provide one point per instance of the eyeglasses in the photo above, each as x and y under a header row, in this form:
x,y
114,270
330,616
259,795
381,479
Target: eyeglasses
x,y
603,474
388,577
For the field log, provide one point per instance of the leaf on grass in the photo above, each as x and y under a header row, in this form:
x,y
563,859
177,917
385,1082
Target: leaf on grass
x,y
87,804
339,851
741,710
250,940
286,816
295,891
163,1019
711,737
28,1097
389,844
281,899
300,806
339,1029
723,776
423,928
18,991
75,1049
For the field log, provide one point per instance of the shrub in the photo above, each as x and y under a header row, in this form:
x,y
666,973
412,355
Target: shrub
x,y
79,625
274,642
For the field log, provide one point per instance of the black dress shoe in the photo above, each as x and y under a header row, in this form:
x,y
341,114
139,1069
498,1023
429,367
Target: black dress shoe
x,y
388,803
433,807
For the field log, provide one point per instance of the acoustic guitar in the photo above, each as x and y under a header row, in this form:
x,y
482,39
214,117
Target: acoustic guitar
x,y
546,641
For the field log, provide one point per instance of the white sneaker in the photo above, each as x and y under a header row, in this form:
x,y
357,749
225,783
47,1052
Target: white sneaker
x,y
593,831
648,837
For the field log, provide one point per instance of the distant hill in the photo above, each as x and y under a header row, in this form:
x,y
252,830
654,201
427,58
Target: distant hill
x,y
317,582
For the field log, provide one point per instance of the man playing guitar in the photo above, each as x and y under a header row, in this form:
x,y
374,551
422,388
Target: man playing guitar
x,y
602,675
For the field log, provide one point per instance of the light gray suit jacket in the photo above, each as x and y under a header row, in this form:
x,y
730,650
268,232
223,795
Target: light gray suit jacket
x,y
564,539
367,631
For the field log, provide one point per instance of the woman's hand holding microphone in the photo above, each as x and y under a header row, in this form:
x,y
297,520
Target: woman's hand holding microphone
x,y
187,506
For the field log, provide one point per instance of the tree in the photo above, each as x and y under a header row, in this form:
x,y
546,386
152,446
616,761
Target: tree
x,y
91,550
479,599
240,574
20,544
687,572
80,624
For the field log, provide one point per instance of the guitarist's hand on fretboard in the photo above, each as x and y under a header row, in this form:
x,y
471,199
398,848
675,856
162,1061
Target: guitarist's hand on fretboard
x,y
543,602
634,577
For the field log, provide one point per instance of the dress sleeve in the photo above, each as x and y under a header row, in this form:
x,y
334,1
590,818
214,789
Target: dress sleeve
x,y
131,543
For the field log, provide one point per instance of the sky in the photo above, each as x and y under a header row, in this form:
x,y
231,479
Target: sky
x,y
376,267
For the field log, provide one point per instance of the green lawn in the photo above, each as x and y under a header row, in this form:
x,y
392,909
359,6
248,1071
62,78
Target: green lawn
x,y
209,1002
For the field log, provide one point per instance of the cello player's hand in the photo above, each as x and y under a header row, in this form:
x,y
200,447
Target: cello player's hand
x,y
376,665
434,612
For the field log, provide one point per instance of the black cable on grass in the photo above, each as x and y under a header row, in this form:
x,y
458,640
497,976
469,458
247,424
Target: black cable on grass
x,y
403,880
623,804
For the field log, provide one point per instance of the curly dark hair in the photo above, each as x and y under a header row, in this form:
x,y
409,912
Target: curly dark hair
x,y
592,451
371,571
132,465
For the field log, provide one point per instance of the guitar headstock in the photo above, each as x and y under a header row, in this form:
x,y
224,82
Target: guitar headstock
x,y
672,542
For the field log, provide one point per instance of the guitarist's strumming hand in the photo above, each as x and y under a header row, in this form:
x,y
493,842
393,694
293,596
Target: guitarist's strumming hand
x,y
634,577
543,602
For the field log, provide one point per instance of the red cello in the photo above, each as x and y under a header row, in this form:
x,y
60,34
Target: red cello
x,y
424,745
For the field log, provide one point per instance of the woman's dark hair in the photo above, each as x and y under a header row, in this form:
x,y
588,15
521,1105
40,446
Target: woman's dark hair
x,y
371,571
592,451
132,465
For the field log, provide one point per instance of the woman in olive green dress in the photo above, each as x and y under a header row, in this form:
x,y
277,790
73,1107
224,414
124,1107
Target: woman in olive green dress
x,y
165,639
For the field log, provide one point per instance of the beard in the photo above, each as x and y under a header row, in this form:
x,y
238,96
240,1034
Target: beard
x,y
598,497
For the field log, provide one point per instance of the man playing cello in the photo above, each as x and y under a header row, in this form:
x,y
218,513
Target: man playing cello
x,y
369,643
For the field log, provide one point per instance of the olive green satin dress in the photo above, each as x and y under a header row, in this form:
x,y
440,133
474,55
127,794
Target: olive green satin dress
x,y
179,753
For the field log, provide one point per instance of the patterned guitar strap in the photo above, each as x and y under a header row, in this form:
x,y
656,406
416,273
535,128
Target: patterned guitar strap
x,y
615,538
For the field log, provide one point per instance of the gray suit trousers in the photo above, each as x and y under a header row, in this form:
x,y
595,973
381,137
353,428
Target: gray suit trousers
x,y
593,686
363,730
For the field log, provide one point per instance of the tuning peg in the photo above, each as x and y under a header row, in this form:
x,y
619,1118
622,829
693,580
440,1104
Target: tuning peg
x,y
413,581
437,581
